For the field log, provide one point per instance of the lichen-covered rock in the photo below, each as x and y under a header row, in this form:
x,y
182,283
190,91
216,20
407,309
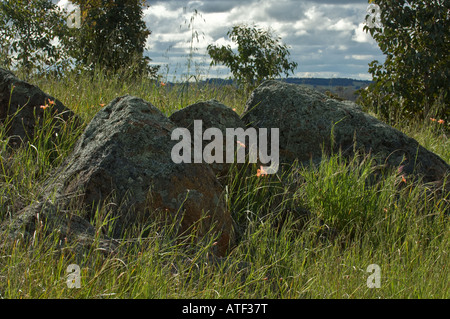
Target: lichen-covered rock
x,y
310,122
124,158
213,114
20,108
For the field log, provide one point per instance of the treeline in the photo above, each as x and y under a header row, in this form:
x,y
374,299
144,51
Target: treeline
x,y
328,82
37,36
344,82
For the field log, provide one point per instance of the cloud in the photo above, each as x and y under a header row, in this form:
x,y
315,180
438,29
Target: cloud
x,y
285,10
66,4
359,56
362,36
339,2
325,37
342,25
218,6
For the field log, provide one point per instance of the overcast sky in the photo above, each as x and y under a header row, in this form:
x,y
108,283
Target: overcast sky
x,y
325,37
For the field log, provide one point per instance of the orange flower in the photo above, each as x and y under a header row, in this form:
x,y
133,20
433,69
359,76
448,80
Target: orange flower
x,y
432,119
102,104
261,172
241,144
441,121
163,84
403,179
51,102
44,106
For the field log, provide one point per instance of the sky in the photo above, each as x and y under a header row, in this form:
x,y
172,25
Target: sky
x,y
324,37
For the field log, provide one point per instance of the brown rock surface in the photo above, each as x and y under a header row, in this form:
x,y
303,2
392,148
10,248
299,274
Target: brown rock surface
x,y
124,157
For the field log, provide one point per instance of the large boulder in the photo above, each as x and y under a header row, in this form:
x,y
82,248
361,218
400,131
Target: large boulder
x,y
307,120
124,158
20,108
213,114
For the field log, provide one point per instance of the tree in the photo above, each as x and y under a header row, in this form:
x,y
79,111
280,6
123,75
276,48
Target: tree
x,y
112,35
260,55
414,79
28,29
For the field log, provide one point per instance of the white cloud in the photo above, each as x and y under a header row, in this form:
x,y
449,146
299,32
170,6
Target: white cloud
x,y
225,42
159,11
342,25
317,74
362,36
360,56
325,37
315,19
67,5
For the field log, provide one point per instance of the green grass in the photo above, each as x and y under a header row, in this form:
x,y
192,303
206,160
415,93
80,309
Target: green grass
x,y
310,233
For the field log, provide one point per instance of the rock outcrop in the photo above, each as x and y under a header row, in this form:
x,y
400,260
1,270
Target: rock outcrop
x,y
213,114
310,122
123,162
123,159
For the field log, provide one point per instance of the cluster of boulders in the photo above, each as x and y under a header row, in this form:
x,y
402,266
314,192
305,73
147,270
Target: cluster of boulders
x,y
123,158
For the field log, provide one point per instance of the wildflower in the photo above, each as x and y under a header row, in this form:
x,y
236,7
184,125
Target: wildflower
x,y
403,179
51,102
441,121
241,144
234,109
261,172
102,104
432,119
44,106
163,84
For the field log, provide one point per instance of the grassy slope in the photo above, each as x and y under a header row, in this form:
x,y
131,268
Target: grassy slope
x,y
351,225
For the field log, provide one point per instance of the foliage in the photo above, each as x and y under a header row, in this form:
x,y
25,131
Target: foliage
x,y
260,55
282,252
27,32
414,79
112,36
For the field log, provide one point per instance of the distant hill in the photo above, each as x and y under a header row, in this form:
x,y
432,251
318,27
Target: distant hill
x,y
341,87
328,82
